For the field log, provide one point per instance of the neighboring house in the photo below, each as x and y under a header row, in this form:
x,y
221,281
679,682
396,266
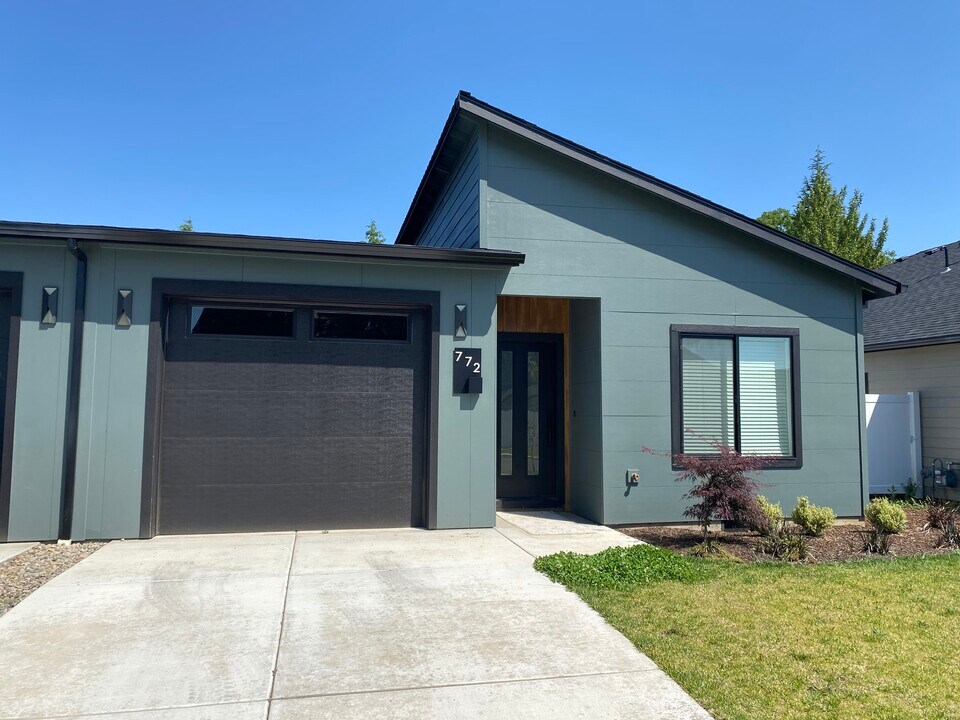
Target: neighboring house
x,y
912,343
546,314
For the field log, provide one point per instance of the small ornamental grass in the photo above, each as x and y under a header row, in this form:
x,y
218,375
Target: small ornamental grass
x,y
939,514
785,543
619,568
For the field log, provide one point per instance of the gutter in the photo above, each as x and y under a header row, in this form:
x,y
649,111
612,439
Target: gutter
x,y
73,393
915,343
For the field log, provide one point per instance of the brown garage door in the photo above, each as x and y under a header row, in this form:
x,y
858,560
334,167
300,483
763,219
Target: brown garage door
x,y
281,418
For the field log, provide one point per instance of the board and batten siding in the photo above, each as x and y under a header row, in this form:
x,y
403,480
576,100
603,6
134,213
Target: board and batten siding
x,y
455,219
934,371
650,264
42,372
110,444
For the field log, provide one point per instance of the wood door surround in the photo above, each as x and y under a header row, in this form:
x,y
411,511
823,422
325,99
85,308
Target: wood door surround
x,y
522,314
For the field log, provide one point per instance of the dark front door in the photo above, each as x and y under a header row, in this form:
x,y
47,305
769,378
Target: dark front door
x,y
529,398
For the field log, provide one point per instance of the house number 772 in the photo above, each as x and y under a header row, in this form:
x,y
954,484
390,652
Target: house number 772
x,y
474,367
467,371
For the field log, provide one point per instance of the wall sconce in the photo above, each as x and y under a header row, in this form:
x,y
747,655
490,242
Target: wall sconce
x,y
460,323
124,308
48,308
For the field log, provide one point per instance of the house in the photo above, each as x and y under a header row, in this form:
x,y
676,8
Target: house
x,y
912,343
545,314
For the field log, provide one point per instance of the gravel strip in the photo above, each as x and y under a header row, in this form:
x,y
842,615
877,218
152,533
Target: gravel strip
x,y
21,575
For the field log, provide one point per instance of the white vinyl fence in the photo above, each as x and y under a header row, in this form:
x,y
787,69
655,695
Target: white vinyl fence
x,y
893,441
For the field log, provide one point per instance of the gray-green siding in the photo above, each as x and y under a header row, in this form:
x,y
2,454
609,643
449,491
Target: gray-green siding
x,y
113,389
455,219
651,264
41,389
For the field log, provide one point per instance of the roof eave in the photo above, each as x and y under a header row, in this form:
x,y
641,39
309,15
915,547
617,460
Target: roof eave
x,y
912,343
259,243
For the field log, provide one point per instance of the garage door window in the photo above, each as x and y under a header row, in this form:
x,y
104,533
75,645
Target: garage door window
x,y
243,322
360,326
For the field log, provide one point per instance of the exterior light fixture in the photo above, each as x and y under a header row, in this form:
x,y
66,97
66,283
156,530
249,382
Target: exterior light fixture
x,y
48,307
460,323
124,308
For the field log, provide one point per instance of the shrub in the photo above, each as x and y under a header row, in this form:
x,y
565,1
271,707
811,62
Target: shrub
x,y
721,489
618,568
771,516
814,520
785,543
886,516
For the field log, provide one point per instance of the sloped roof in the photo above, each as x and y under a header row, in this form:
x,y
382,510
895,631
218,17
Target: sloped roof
x,y
927,310
466,108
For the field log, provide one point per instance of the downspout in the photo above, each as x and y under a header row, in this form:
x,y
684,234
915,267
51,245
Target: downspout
x,y
73,392
858,306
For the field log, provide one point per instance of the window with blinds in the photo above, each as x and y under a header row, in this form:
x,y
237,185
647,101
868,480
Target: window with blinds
x,y
766,403
708,407
737,389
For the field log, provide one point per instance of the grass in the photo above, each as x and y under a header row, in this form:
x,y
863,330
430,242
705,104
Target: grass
x,y
865,639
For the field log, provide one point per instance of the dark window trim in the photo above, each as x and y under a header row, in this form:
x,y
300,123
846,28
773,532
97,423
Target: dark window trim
x,y
677,332
165,289
357,311
11,282
201,336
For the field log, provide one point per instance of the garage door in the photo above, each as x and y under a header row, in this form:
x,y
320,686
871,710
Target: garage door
x,y
292,418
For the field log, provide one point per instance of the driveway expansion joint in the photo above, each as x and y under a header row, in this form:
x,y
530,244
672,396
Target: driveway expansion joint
x,y
283,616
476,683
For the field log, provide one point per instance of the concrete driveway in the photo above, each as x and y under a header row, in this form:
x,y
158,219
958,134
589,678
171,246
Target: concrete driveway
x,y
386,624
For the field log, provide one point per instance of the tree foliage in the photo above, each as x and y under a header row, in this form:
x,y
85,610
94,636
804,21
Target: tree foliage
x,y
186,225
826,218
373,235
721,488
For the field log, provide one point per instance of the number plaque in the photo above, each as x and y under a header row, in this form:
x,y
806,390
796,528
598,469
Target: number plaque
x,y
467,371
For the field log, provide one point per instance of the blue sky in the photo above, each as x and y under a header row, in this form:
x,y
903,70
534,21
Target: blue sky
x,y
308,119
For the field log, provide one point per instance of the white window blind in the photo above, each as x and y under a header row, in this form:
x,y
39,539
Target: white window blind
x,y
707,383
766,411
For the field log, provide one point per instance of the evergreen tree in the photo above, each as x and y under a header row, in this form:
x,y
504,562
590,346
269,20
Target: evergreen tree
x,y
824,217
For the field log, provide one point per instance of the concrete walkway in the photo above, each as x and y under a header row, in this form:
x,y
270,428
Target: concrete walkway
x,y
8,551
386,624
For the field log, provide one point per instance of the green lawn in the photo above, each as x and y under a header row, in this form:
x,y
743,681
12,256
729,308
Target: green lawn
x,y
868,639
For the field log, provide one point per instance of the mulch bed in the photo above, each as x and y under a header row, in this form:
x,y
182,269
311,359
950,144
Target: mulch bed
x,y
21,575
841,542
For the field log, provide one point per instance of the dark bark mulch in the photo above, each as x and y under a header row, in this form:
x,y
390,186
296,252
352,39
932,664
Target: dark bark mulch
x,y
21,575
841,542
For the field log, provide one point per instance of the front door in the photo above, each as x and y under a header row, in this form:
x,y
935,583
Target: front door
x,y
529,431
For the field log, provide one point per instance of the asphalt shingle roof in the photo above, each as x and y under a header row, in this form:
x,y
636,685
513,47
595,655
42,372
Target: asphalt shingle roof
x,y
928,306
